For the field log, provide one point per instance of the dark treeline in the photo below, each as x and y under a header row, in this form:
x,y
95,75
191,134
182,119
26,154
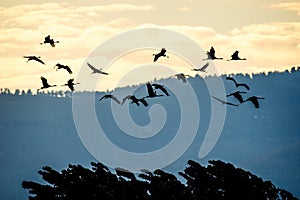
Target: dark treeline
x,y
216,181
6,91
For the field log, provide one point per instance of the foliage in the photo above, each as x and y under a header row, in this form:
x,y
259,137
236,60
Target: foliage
x,y
217,181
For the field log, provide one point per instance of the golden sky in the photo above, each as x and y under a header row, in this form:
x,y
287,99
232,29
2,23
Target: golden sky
x,y
266,32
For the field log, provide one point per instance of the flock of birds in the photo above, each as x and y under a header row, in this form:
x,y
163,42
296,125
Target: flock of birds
x,y
238,95
151,88
70,83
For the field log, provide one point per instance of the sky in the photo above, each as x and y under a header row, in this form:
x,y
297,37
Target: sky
x,y
266,32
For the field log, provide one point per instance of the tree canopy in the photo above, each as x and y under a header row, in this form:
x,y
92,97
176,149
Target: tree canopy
x,y
216,181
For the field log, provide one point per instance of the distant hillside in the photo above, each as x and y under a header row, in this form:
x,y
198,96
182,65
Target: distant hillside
x,y
38,130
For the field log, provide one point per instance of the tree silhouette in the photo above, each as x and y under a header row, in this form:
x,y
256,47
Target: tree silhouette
x,y
217,181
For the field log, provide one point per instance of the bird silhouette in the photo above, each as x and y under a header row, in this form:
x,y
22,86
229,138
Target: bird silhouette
x,y
238,84
60,66
254,100
224,102
134,100
237,95
211,54
111,97
71,84
45,84
202,69
235,56
50,41
160,87
151,92
99,71
161,53
181,76
36,58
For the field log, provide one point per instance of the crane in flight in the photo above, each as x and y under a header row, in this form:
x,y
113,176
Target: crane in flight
x,y
161,53
182,77
135,100
71,84
49,40
235,56
151,92
60,66
201,69
99,71
161,87
211,54
36,58
238,84
237,95
254,100
45,84
111,97
224,102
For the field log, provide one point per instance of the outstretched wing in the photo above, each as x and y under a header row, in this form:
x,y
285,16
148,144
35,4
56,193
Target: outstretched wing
x,y
150,90
70,81
231,79
47,38
71,86
204,67
44,81
220,100
156,56
143,101
162,88
104,97
235,55
96,70
38,60
115,99
163,51
224,102
212,51
69,70
244,85
254,101
181,76
92,67
126,98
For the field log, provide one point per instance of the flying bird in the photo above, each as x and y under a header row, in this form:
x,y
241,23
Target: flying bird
x,y
254,100
160,87
45,84
99,71
211,54
235,56
111,97
237,95
202,69
161,53
36,58
135,100
151,92
71,84
50,41
238,84
181,76
224,102
60,66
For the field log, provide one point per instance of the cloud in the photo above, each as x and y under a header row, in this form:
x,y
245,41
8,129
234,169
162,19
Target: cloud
x,y
290,6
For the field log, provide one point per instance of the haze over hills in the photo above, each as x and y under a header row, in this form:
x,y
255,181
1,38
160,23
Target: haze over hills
x,y
39,130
